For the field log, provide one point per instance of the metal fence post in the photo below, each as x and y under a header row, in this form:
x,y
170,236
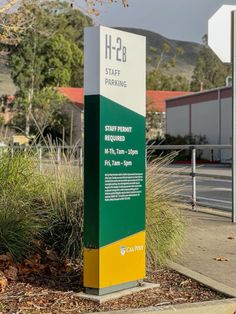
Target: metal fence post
x,y
233,49
40,158
81,160
193,174
59,155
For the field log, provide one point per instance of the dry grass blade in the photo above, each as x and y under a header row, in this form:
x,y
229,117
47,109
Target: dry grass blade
x,y
65,195
164,223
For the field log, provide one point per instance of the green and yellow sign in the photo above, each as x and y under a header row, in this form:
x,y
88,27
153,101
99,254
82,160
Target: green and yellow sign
x,y
114,160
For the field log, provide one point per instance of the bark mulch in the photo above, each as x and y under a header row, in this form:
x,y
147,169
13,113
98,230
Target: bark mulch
x,y
48,286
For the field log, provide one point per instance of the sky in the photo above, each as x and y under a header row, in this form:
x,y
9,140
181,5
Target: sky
x,y
174,19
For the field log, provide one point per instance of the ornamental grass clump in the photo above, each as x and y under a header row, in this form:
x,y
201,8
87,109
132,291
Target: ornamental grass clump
x,y
48,205
164,222
22,209
64,229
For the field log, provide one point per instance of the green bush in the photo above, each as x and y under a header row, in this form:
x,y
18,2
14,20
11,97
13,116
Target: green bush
x,y
186,140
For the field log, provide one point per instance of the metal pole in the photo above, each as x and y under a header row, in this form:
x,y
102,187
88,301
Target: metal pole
x,y
233,56
71,127
193,174
63,136
59,155
40,159
81,161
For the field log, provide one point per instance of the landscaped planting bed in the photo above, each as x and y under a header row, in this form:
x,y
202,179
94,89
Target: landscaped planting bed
x,y
41,224
46,285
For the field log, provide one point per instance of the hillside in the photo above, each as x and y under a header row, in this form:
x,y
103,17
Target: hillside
x,y
184,66
184,63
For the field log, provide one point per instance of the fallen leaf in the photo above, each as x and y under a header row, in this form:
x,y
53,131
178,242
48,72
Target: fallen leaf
x,y
5,258
11,273
221,259
3,283
185,282
51,255
10,256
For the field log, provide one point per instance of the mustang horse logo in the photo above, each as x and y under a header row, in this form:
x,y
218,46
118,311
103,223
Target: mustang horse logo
x,y
122,250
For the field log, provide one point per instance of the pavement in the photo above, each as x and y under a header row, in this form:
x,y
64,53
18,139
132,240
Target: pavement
x,y
210,237
214,184
208,170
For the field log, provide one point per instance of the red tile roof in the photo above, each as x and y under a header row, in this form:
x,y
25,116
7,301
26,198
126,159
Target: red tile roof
x,y
155,99
74,94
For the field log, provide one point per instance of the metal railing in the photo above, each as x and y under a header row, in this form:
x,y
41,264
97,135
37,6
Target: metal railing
x,y
48,154
58,155
193,173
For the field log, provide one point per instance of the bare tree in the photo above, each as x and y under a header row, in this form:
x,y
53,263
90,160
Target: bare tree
x,y
13,26
13,23
7,6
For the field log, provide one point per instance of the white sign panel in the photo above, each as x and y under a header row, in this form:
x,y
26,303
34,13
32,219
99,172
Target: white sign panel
x,y
113,57
219,32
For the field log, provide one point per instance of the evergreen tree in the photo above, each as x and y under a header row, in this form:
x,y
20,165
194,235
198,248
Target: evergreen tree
x,y
50,54
159,78
209,71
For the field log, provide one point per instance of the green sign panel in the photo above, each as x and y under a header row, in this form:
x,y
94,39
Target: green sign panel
x,y
114,173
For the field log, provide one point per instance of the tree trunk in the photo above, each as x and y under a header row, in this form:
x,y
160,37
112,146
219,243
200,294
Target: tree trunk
x,y
28,113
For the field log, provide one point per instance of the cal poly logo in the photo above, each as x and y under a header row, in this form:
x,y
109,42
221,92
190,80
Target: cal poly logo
x,y
130,249
122,250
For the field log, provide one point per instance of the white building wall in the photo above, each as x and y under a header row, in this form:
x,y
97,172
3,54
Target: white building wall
x,y
226,128
205,121
177,120
211,118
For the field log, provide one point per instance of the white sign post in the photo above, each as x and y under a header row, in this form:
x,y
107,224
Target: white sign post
x,y
222,40
234,117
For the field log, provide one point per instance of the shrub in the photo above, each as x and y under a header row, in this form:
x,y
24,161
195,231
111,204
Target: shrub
x,y
178,140
186,140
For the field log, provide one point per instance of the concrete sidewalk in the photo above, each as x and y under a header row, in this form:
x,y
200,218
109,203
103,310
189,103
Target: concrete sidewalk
x,y
208,238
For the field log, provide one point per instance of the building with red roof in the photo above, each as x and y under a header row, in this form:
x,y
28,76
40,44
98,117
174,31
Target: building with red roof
x,y
155,110
75,113
203,114
156,99
74,94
